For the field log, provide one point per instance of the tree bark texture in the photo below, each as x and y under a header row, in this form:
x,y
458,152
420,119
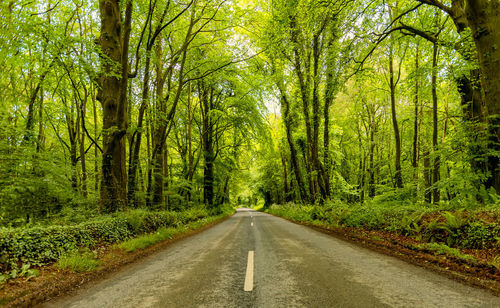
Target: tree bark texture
x,y
113,96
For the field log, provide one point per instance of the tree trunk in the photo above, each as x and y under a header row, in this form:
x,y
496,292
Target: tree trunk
x,y
166,176
165,124
398,178
29,118
190,171
371,181
326,140
74,161
317,168
96,152
206,106
113,96
285,106
135,145
427,176
483,18
285,177
83,161
304,91
414,160
158,166
435,173
40,145
208,177
73,134
362,167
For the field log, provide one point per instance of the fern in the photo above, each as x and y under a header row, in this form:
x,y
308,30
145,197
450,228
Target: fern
x,y
453,222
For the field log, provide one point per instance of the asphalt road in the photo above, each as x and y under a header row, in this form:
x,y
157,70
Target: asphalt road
x,y
291,266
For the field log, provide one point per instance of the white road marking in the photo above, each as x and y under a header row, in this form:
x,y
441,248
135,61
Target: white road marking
x,y
249,275
251,224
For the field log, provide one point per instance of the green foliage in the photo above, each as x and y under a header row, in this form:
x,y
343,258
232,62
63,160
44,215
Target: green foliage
x,y
370,218
40,245
33,186
292,211
147,240
394,197
459,229
15,272
430,231
453,221
479,235
225,209
410,224
78,262
392,218
453,226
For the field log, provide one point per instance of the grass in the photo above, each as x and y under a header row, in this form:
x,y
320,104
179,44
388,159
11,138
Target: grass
x,y
147,240
162,234
78,262
442,249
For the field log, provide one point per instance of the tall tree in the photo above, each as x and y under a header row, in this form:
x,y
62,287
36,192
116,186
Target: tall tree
x,y
114,42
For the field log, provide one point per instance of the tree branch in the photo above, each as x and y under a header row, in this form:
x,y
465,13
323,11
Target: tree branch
x,y
439,5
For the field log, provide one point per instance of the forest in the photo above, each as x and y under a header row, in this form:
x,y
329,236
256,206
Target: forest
x,y
126,116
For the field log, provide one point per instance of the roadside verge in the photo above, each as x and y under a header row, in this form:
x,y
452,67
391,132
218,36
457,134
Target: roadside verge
x,y
466,265
53,281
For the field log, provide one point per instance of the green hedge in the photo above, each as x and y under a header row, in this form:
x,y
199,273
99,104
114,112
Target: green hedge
x,y
42,245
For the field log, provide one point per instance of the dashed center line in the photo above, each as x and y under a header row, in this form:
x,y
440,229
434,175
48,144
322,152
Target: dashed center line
x,y
249,275
251,224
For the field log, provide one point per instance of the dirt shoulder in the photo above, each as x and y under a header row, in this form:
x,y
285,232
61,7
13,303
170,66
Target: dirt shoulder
x,y
53,282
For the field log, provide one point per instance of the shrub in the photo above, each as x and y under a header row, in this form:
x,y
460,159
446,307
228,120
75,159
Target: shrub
x,y
478,235
453,226
41,245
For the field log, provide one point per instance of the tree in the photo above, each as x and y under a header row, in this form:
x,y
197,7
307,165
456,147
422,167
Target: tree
x,y
114,43
482,19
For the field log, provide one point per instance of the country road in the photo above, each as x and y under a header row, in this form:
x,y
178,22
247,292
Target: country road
x,y
257,260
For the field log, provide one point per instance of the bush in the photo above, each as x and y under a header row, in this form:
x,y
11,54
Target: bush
x,y
292,211
478,235
41,245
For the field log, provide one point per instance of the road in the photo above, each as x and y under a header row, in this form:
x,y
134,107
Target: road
x,y
258,260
